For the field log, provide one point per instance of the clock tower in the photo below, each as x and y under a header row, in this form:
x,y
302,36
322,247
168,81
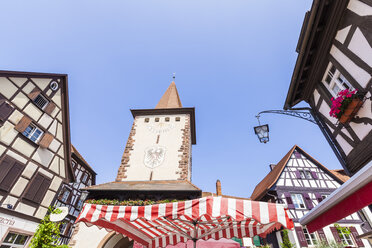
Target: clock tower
x,y
159,143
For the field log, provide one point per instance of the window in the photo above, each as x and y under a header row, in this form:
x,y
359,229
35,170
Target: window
x,y
37,188
64,196
33,133
14,240
345,237
53,85
41,101
147,119
79,204
324,196
308,174
84,178
178,118
167,119
298,201
157,119
310,237
302,174
335,81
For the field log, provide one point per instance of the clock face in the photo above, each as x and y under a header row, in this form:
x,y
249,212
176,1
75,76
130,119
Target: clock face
x,y
154,156
160,127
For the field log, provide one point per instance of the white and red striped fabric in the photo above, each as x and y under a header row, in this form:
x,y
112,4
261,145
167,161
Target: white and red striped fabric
x,y
171,223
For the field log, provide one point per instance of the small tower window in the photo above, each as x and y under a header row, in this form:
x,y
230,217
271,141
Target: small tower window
x,y
166,119
53,85
157,119
178,118
147,119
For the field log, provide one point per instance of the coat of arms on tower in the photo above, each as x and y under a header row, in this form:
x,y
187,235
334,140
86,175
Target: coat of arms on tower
x,y
154,156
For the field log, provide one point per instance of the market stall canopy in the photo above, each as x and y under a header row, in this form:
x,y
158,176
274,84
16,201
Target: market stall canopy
x,y
165,224
352,196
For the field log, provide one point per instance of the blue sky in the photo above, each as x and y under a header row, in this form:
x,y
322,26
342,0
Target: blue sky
x,y
232,59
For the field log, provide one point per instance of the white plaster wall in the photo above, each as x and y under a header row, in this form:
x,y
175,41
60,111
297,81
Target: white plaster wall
x,y
360,75
20,224
144,138
88,236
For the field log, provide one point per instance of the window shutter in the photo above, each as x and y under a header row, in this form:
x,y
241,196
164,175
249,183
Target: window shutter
x,y
5,166
34,187
315,176
42,190
298,175
46,140
34,93
12,176
288,198
318,197
322,235
301,236
5,111
336,236
355,234
23,124
308,202
49,108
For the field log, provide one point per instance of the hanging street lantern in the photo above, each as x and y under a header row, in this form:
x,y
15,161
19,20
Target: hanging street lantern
x,y
262,132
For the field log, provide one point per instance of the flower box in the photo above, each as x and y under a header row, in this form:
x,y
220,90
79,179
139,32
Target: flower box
x,y
351,110
346,105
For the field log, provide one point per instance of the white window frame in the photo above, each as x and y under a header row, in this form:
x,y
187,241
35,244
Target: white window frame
x,y
34,130
308,174
298,200
345,238
311,238
302,174
12,245
335,80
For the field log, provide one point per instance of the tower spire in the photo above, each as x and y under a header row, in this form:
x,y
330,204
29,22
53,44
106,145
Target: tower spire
x,y
170,99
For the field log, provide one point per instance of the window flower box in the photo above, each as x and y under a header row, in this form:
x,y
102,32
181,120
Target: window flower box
x,y
346,105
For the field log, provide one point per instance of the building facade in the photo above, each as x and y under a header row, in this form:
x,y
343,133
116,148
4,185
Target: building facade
x,y
70,194
34,150
301,182
335,53
156,165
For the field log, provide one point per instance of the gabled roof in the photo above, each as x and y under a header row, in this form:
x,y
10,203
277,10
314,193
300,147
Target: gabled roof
x,y
75,152
271,178
341,174
156,185
170,99
264,186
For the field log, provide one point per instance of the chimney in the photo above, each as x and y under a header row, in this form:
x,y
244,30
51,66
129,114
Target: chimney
x,y
218,188
272,166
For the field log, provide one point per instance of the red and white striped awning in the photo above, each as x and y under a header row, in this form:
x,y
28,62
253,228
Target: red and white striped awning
x,y
170,223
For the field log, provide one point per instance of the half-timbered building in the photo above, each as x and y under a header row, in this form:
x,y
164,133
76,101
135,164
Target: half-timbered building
x,y
156,165
335,53
70,194
34,150
301,182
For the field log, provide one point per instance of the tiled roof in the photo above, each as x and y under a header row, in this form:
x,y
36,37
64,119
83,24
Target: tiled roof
x,y
156,185
75,151
271,178
170,99
341,175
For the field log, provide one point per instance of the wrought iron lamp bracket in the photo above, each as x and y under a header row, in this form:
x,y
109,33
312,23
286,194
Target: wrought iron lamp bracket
x,y
303,113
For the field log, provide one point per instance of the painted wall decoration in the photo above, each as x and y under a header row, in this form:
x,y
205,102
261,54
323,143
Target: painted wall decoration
x,y
154,156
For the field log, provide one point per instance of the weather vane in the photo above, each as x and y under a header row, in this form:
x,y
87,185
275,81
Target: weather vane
x,y
174,76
